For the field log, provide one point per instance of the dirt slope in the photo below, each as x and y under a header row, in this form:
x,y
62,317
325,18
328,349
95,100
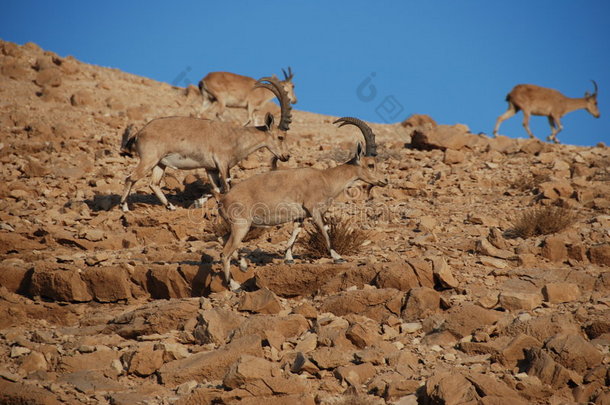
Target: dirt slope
x,y
439,305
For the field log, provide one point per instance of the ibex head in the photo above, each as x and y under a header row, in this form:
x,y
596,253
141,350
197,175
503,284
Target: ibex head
x,y
592,102
365,159
277,135
289,85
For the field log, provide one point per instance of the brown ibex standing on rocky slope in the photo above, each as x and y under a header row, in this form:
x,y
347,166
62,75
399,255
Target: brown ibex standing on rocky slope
x,y
536,100
193,143
282,196
224,89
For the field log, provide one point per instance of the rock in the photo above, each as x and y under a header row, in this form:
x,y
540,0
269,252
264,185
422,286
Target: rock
x,y
108,284
419,121
556,293
441,137
442,273
82,98
156,317
555,189
288,326
331,357
144,361
98,360
209,365
573,352
59,285
600,254
453,157
215,325
167,282
503,144
302,363
514,352
261,377
399,276
355,374
554,249
493,262
35,361
493,391
421,302
464,319
423,270
517,301
14,70
540,364
597,328
449,388
20,393
248,368
262,301
307,310
363,332
48,77
372,303
486,248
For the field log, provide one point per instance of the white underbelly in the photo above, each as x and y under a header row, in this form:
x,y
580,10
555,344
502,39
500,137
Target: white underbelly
x,y
177,161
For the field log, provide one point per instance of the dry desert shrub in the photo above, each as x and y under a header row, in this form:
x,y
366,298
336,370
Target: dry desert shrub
x,y
542,221
529,181
344,238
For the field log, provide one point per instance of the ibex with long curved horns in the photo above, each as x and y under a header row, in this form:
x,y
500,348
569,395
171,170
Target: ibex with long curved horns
x,y
193,143
282,196
224,89
536,100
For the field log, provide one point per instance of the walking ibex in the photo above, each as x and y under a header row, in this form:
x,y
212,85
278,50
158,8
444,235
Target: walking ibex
x,y
193,143
536,100
224,89
282,196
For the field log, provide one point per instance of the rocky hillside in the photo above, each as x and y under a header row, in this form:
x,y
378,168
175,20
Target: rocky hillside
x,y
448,300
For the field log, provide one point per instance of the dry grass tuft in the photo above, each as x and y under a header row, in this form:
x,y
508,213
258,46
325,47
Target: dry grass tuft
x,y
530,181
344,238
542,221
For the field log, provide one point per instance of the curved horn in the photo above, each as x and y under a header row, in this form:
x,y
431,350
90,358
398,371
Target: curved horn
x,y
595,85
289,75
367,132
276,88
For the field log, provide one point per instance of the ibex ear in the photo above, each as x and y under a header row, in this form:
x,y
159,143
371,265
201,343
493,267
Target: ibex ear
x,y
269,121
587,94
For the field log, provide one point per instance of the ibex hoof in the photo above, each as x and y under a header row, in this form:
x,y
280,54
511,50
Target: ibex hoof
x,y
291,261
171,207
337,261
124,207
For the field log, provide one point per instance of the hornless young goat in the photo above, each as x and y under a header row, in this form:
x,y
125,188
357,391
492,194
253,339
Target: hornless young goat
x,y
224,89
281,196
192,143
536,100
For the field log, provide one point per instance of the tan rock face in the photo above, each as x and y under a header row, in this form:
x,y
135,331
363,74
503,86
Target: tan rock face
x,y
442,303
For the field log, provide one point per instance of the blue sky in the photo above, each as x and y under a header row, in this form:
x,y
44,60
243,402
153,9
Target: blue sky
x,y
379,61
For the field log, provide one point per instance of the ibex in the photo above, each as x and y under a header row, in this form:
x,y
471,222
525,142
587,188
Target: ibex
x,y
224,89
192,143
282,196
536,100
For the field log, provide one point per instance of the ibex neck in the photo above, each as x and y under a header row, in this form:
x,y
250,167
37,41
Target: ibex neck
x,y
251,141
572,104
339,178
